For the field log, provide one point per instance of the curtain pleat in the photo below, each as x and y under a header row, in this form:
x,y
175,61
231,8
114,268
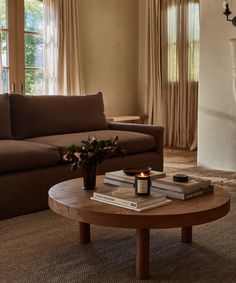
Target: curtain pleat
x,y
70,73
152,92
63,61
181,93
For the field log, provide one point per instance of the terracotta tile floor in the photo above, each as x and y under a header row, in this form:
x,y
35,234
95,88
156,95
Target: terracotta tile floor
x,y
180,156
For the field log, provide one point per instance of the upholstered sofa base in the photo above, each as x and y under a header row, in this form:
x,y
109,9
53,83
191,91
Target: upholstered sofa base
x,y
27,191
36,130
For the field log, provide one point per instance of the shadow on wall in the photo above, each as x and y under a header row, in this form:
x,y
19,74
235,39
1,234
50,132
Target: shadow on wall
x,y
218,114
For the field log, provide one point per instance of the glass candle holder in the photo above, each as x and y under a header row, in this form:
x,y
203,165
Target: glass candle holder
x,y
142,184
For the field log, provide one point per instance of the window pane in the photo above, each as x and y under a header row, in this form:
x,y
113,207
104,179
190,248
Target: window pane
x,y
193,22
34,15
4,49
5,80
33,51
34,82
194,41
3,14
173,71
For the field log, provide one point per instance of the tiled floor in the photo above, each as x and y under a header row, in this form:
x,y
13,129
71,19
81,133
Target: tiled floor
x,y
180,156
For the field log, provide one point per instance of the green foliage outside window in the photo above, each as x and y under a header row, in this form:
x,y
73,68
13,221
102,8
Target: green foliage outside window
x,y
33,45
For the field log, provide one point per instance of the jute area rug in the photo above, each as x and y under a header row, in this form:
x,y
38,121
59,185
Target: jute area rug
x,y
225,179
44,247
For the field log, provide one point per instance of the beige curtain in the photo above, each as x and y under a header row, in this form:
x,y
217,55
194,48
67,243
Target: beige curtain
x,y
171,68
51,37
63,63
180,62
153,99
70,73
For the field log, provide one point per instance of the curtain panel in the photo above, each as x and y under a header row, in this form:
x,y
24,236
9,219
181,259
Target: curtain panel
x,y
51,45
180,64
152,92
171,68
63,62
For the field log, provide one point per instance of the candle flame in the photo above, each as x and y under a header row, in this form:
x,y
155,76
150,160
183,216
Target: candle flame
x,y
142,174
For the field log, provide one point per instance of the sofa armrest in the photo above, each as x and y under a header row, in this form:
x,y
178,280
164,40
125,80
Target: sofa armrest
x,y
156,131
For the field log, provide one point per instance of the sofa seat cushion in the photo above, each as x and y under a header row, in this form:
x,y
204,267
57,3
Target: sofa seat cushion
x,y
23,155
5,123
132,142
44,115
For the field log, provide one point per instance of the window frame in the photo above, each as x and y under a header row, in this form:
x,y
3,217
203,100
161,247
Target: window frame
x,y
174,78
16,46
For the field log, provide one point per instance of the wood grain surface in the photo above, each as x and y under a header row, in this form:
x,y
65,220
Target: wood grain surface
x,y
68,199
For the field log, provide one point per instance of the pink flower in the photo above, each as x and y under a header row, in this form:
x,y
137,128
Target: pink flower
x,y
65,157
92,151
109,148
77,154
68,156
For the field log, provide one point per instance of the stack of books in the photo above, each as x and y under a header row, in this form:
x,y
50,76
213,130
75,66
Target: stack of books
x,y
119,178
125,197
178,190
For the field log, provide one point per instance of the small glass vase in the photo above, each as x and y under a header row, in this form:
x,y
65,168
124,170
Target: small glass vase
x,y
89,176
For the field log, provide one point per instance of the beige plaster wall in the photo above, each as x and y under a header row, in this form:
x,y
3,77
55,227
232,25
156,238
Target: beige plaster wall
x,y
217,107
109,36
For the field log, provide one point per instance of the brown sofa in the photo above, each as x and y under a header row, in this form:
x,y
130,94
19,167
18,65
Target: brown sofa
x,y
34,130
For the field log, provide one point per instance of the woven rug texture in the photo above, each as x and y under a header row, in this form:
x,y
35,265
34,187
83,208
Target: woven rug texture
x,y
44,247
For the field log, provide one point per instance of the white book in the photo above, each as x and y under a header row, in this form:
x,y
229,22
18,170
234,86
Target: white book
x,y
121,176
184,196
165,202
126,196
117,183
169,184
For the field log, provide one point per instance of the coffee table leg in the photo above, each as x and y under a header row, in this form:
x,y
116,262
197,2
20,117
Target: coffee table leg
x,y
142,253
84,233
187,234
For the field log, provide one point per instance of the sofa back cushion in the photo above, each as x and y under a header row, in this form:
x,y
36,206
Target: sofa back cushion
x,y
5,121
34,116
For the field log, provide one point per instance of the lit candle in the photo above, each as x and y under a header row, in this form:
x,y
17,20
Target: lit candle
x,y
142,184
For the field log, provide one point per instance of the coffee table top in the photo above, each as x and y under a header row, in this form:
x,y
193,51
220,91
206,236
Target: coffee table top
x,y
68,199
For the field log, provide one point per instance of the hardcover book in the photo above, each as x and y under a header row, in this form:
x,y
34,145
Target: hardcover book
x,y
187,195
117,183
121,176
155,205
169,184
126,196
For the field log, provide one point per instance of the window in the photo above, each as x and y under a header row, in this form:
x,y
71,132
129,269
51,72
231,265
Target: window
x,y
194,41
183,30
22,45
4,43
33,37
173,72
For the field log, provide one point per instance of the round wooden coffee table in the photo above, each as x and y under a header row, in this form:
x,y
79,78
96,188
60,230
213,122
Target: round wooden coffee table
x,y
69,200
